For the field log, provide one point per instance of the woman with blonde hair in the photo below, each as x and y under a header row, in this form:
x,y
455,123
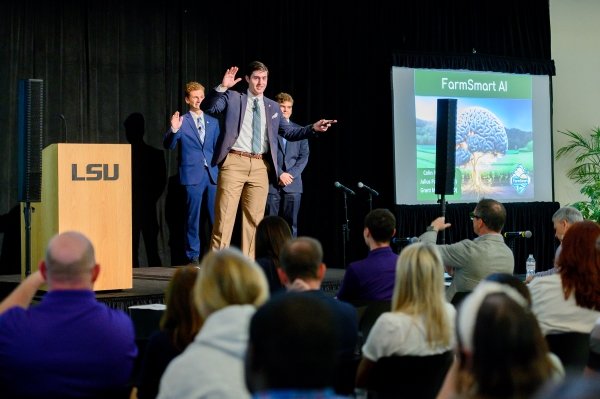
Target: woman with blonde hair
x,y
227,292
421,322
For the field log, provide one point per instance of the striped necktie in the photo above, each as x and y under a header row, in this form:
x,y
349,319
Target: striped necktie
x,y
201,132
256,145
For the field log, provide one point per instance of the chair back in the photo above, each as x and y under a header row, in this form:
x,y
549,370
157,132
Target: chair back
x,y
572,349
419,377
370,315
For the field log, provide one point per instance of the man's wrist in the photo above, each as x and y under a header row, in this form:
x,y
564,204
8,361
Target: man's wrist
x,y
433,228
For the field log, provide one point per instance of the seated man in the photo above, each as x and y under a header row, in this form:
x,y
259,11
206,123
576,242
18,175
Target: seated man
x,y
70,344
562,219
291,350
372,279
302,269
468,261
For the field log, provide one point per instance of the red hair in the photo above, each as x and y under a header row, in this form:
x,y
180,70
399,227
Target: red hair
x,y
579,263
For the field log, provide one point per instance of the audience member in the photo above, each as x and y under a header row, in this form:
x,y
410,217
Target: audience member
x,y
271,234
372,279
178,327
227,292
421,322
593,364
511,281
468,261
69,345
302,269
291,353
562,219
501,351
569,301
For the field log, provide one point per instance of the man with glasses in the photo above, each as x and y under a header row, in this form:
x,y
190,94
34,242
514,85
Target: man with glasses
x,y
468,261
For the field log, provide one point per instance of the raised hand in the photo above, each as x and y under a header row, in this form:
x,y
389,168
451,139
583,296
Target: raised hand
x,y
176,121
229,79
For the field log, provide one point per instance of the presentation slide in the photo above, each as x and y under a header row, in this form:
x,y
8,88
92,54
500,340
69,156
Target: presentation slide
x,y
503,137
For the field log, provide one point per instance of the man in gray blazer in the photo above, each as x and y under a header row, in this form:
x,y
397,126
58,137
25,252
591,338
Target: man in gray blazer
x,y
468,261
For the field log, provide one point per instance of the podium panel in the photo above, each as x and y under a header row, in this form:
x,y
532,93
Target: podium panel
x,y
87,188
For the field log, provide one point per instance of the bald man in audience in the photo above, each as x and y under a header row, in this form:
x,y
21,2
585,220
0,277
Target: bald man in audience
x,y
69,345
470,261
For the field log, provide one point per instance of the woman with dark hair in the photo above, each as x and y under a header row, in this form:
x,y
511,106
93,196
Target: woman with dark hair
x,y
569,301
272,232
501,351
178,327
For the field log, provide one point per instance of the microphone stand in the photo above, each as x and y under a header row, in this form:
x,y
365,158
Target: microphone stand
x,y
345,229
27,210
370,201
510,242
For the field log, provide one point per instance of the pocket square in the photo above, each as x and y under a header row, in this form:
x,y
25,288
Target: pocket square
x,y
274,116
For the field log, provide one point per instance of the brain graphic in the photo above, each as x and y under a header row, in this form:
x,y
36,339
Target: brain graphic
x,y
479,130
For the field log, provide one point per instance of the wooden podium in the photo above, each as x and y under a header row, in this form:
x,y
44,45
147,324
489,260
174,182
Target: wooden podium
x,y
87,188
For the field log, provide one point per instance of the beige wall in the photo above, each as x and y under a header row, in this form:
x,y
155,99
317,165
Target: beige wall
x,y
576,86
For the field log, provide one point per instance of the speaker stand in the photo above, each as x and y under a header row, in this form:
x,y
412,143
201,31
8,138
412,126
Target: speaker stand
x,y
443,203
27,211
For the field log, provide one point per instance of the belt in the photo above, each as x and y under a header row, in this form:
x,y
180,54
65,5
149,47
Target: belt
x,y
246,154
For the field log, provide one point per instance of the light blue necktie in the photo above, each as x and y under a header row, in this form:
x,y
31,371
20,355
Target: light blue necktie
x,y
201,130
256,147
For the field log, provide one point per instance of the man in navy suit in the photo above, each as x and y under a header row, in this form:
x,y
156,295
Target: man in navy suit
x,y
292,156
197,135
246,152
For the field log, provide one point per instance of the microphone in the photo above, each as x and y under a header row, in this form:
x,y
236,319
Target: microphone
x,y
407,240
360,185
515,234
66,132
341,186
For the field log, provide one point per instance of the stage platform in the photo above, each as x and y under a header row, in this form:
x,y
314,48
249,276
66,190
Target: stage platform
x,y
149,285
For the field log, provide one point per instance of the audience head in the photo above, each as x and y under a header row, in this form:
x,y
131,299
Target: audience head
x,y
302,258
579,263
380,225
511,281
502,353
489,216
181,316
271,234
563,219
226,278
419,290
292,345
70,262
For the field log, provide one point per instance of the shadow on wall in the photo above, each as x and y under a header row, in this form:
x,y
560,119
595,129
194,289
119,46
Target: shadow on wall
x,y
148,179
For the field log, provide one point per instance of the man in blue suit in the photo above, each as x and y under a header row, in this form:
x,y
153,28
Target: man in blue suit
x,y
292,156
246,152
197,135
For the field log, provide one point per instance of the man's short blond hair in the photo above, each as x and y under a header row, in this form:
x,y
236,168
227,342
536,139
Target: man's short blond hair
x,y
227,277
190,87
283,97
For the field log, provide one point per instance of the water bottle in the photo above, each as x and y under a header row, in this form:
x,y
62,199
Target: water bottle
x,y
530,266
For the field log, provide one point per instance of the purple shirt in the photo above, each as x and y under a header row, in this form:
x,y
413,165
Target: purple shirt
x,y
68,345
372,278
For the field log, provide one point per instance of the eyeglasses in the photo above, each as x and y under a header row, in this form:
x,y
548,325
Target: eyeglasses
x,y
472,215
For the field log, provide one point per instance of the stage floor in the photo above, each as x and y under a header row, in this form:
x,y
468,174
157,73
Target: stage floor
x,y
149,285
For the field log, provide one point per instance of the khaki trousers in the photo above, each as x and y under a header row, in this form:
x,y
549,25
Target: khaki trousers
x,y
246,179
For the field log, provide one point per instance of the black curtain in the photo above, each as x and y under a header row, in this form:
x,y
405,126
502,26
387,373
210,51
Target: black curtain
x,y
103,61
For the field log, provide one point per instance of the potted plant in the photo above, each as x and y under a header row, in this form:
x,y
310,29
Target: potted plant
x,y
586,171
